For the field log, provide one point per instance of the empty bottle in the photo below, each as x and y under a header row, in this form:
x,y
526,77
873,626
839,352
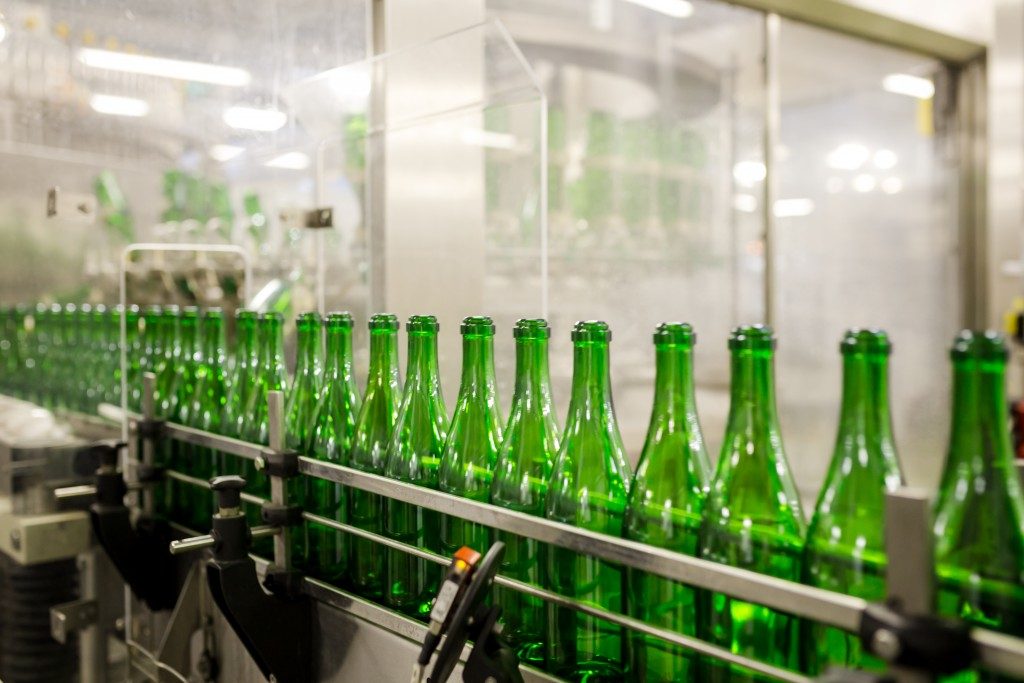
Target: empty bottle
x,y
845,548
414,456
471,450
666,501
979,511
752,517
186,372
305,390
374,427
521,475
588,489
243,378
327,548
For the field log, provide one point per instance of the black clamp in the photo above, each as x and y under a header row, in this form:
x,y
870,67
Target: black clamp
x,y
150,429
924,642
284,464
281,515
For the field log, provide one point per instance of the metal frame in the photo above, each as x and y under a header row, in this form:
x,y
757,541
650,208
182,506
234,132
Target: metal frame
x,y
999,652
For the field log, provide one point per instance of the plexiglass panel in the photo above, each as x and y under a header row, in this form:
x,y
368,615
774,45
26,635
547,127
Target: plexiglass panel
x,y
865,236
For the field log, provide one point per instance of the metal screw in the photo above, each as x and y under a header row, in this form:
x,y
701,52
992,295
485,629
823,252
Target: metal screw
x,y
261,463
490,679
16,539
886,644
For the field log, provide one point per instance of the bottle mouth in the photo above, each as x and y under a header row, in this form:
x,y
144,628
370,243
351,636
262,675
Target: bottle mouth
x,y
246,314
383,321
675,334
865,340
213,312
154,310
309,318
422,323
272,318
758,337
591,331
477,324
190,312
979,345
340,319
531,328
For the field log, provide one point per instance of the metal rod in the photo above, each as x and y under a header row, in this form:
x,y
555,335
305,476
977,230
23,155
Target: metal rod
x,y
82,491
278,486
688,642
188,545
202,483
148,447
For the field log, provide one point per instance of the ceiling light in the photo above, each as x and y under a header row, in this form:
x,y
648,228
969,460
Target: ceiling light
x,y
167,68
679,9
294,161
225,152
247,118
747,173
792,208
747,203
865,182
885,159
892,185
3,28
848,156
487,138
905,84
119,106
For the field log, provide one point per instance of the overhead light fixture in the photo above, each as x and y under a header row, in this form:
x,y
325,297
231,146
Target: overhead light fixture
x,y
119,106
167,68
3,28
912,86
225,152
884,159
848,156
792,208
293,161
892,185
865,182
748,173
488,138
747,203
248,118
678,9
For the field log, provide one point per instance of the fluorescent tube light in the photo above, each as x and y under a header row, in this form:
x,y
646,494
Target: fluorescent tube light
x,y
679,9
247,118
848,156
167,68
905,84
294,161
225,152
792,208
119,106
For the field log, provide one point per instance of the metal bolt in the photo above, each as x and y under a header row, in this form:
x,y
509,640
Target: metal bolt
x,y
16,539
490,679
261,463
886,644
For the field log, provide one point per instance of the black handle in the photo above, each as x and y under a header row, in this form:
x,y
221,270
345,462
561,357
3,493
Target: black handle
x,y
106,452
228,488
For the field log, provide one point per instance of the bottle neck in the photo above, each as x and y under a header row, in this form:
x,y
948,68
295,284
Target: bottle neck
x,y
478,365
979,423
752,391
591,378
865,402
339,353
248,351
188,338
424,374
533,379
383,357
307,354
673,380
273,356
213,342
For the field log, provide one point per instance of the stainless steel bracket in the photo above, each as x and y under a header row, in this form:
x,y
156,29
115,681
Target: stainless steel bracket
x,y
72,617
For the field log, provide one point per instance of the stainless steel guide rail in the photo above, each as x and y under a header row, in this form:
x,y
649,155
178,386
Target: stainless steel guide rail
x,y
996,651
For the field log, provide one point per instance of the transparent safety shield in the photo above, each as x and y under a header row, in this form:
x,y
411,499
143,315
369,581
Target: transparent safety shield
x,y
434,159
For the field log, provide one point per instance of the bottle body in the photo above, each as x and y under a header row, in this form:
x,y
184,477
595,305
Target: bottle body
x,y
666,501
524,466
414,456
752,517
845,548
208,406
588,489
979,511
374,426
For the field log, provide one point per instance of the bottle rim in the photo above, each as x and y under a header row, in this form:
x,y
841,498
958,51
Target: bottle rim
x,y
422,324
531,328
170,311
383,321
674,334
477,325
272,317
591,331
979,345
870,340
213,312
246,314
760,337
339,319
308,318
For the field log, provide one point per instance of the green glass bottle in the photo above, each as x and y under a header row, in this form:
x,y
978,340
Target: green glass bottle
x,y
374,427
752,517
327,549
588,489
307,384
97,370
84,352
133,341
207,413
845,547
166,366
150,340
183,497
521,475
666,502
471,450
62,369
979,511
243,378
414,456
